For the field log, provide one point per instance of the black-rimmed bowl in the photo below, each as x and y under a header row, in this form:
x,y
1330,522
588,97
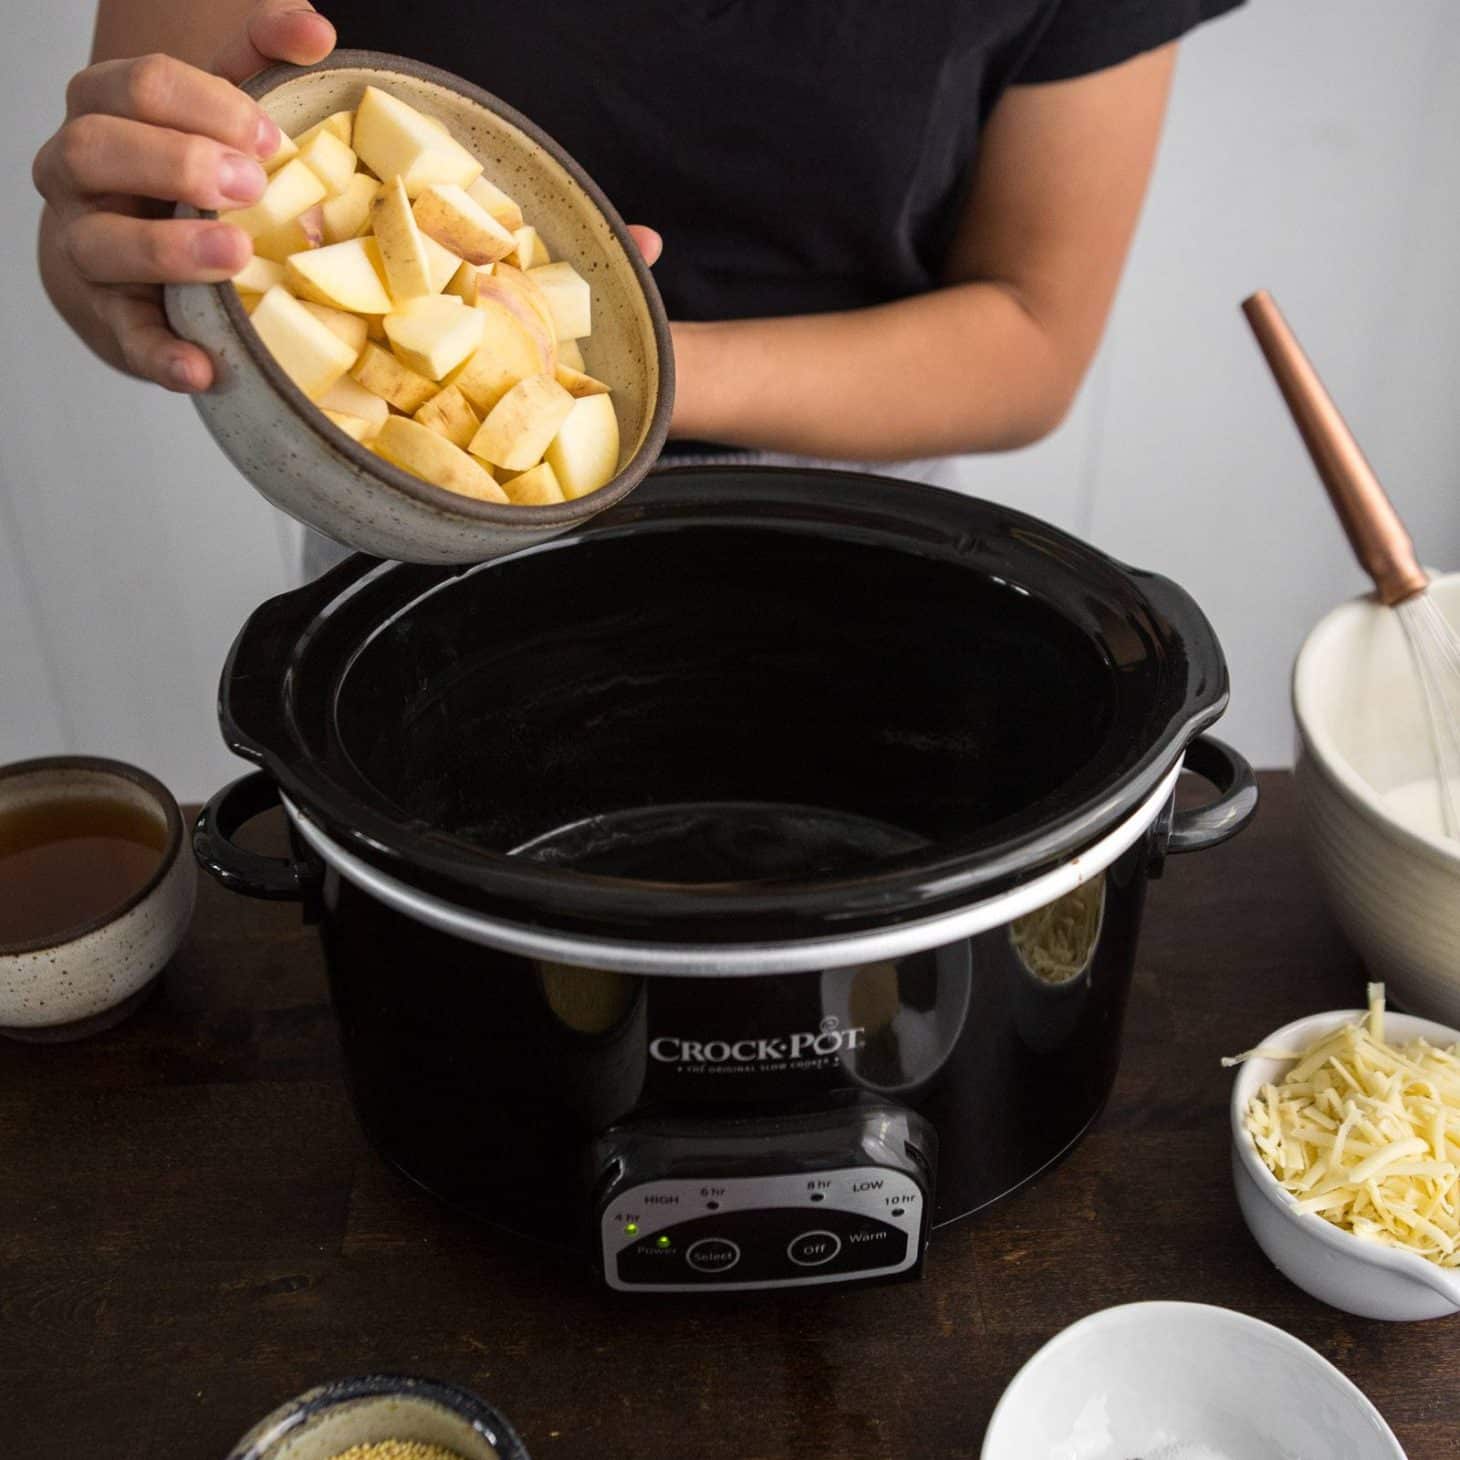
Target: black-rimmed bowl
x,y
308,467
335,1417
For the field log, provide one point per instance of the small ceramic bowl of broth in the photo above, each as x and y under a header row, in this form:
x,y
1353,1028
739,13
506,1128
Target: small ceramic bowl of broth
x,y
96,893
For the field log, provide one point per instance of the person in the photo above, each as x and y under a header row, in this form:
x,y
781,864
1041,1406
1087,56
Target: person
x,y
890,233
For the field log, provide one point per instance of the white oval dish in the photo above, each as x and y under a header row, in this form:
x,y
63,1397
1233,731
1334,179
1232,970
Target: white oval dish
x,y
1363,732
1148,1378
1345,1271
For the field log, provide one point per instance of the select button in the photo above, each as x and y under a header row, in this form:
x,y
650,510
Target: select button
x,y
811,1249
712,1254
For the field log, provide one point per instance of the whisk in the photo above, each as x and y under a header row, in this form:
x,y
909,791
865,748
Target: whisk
x,y
1378,538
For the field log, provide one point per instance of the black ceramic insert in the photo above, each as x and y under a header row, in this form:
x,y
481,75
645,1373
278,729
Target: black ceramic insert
x,y
744,705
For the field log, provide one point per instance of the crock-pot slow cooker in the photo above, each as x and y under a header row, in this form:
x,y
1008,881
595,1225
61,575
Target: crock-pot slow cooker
x,y
744,884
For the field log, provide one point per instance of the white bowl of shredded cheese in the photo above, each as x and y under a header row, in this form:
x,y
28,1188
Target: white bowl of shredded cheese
x,y
1346,1159
1183,1381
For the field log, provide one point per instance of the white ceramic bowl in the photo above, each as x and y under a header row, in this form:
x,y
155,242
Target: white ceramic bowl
x,y
1348,1272
84,979
1150,1378
1362,732
308,467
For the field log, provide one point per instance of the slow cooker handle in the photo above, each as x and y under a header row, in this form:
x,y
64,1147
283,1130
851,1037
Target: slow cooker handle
x,y
1200,827
279,879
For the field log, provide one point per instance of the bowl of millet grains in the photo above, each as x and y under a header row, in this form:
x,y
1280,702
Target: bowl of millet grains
x,y
382,1417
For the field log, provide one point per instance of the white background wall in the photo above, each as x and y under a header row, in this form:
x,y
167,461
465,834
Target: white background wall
x,y
1310,149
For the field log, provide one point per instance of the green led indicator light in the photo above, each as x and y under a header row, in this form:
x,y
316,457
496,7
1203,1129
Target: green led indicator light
x,y
662,1241
631,1228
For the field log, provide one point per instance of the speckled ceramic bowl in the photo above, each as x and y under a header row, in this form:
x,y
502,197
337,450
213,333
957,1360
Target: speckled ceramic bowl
x,y
86,978
308,467
332,1419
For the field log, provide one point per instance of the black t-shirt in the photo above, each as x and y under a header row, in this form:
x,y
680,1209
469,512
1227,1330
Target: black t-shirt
x,y
797,155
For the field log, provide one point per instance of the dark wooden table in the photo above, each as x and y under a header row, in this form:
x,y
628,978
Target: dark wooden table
x,y
192,1229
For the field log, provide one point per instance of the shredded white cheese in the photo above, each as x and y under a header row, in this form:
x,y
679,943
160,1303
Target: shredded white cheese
x,y
1054,942
1366,1135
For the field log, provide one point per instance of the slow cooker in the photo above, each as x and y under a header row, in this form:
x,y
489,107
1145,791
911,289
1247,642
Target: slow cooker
x,y
743,885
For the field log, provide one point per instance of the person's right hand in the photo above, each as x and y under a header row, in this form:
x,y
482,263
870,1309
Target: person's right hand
x,y
143,134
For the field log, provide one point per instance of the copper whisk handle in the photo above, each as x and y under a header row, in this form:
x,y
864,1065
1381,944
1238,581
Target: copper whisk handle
x,y
1378,537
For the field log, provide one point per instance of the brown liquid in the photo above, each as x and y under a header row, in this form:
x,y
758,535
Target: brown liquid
x,y
67,862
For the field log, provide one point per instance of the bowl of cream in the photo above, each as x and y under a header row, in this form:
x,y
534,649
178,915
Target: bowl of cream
x,y
1369,796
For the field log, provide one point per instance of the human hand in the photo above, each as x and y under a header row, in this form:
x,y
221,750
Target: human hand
x,y
141,135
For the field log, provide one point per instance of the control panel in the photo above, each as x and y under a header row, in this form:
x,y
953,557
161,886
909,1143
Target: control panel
x,y
771,1231
834,1198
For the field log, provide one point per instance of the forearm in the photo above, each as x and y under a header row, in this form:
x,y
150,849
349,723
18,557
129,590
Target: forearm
x,y
993,360
966,368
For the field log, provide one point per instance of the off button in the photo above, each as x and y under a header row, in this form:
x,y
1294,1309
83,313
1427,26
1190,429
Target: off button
x,y
712,1254
812,1249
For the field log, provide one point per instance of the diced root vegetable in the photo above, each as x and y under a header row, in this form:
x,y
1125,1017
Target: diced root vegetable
x,y
449,414
308,352
448,214
511,350
434,335
570,353
463,283
535,487
516,431
353,426
496,202
529,251
585,452
568,297
576,383
383,375
287,149
342,124
407,266
346,275
414,448
291,190
345,215
298,235
441,263
519,293
351,328
330,160
259,275
349,398
393,140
